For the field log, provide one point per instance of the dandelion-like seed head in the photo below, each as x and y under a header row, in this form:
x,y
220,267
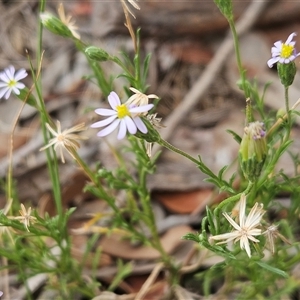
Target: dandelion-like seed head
x,y
67,139
25,217
126,7
66,19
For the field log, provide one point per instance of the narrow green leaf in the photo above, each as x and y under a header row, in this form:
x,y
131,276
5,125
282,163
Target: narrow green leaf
x,y
272,269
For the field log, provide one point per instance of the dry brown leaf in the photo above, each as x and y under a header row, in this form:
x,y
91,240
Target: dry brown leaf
x,y
156,290
185,202
115,246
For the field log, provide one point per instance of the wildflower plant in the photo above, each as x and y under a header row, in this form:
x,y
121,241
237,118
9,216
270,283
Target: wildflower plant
x,y
254,247
9,81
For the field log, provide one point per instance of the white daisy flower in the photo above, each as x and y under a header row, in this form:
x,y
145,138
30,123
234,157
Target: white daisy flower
x,y
247,227
9,81
283,53
126,116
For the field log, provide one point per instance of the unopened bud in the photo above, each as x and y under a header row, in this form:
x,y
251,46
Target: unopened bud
x,y
55,25
225,6
152,136
253,150
96,53
286,73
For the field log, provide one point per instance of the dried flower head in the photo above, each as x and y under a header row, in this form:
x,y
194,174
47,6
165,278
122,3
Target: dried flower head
x,y
66,19
9,81
126,7
253,150
247,228
25,217
155,121
67,139
272,234
283,53
139,98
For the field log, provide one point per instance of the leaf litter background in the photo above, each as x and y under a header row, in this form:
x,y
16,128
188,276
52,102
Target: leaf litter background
x,y
183,37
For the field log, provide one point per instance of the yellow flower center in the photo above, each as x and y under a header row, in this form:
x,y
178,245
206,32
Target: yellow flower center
x,y
11,83
286,51
122,111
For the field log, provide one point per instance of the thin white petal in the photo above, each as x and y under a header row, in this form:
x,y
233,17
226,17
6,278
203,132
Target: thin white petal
x,y
291,36
140,109
134,90
8,94
231,221
113,100
3,92
107,130
15,90
130,125
105,112
4,77
122,130
244,244
20,74
20,85
103,122
242,210
278,44
10,72
229,236
140,125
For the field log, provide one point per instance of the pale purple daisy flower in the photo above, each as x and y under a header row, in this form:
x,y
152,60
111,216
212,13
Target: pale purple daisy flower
x,y
283,53
126,116
9,81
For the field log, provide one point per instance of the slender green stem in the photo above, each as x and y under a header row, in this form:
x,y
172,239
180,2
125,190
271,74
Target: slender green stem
x,y
238,56
288,112
234,197
286,98
206,170
174,149
50,153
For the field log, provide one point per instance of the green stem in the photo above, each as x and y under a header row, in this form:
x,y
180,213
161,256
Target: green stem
x,y
217,180
174,149
238,56
288,112
50,153
234,197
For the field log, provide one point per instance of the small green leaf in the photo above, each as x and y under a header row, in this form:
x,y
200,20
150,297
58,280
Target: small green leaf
x,y
272,269
235,135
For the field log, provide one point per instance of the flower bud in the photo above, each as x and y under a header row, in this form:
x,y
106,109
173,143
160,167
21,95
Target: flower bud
x,y
152,136
55,25
96,53
225,6
286,73
253,150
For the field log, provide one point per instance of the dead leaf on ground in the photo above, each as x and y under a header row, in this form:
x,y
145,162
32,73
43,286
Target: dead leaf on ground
x,y
185,202
115,246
